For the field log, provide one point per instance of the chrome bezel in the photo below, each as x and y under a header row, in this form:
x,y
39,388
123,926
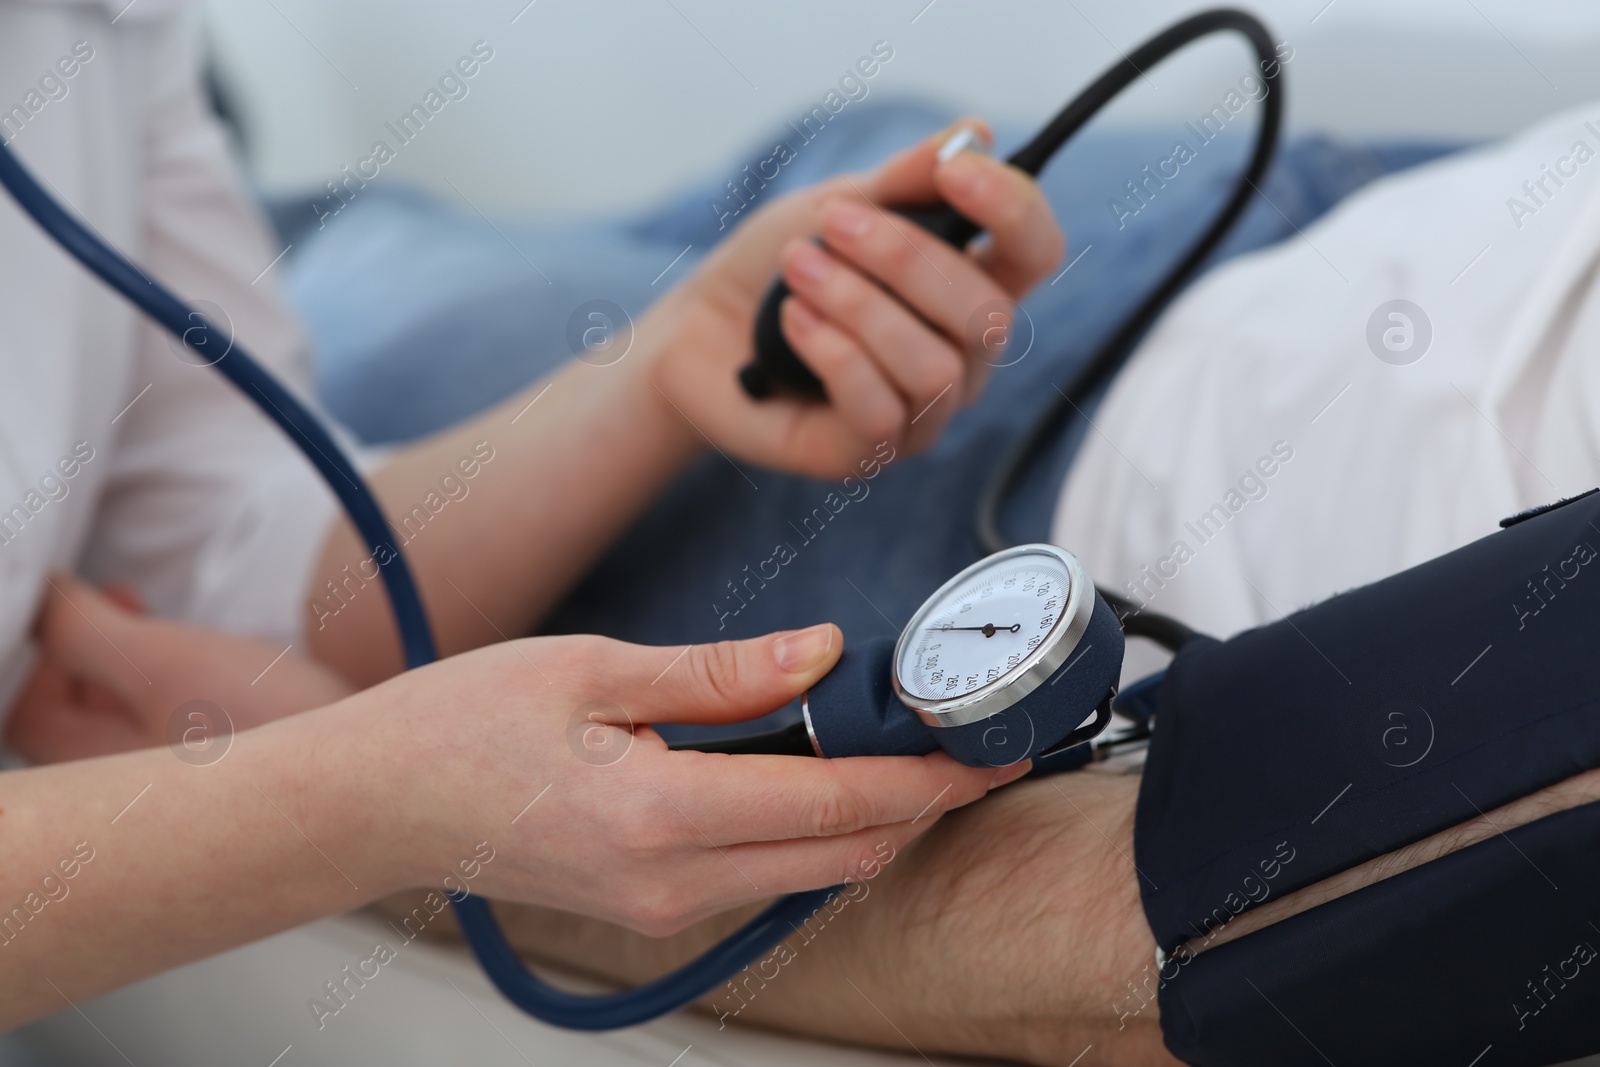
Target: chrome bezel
x,y
991,698
811,732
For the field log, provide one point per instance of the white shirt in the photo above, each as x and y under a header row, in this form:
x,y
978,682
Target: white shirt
x,y
190,495
1391,462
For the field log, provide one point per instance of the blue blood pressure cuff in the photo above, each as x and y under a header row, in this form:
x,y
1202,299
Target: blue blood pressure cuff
x,y
1345,731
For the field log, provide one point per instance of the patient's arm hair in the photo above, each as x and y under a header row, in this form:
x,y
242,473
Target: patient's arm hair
x,y
1013,928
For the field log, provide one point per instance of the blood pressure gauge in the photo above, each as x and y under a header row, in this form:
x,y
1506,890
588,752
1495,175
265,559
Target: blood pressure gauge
x,y
992,634
1016,656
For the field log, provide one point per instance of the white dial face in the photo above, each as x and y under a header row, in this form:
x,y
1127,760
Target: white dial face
x,y
984,628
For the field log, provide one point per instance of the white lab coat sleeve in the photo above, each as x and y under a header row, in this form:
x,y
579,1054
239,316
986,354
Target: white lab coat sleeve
x,y
209,510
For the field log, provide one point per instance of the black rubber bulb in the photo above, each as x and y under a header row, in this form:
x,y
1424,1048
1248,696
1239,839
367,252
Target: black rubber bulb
x,y
776,369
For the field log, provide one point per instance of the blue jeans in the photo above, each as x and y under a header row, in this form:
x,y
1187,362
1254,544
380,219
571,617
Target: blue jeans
x,y
421,315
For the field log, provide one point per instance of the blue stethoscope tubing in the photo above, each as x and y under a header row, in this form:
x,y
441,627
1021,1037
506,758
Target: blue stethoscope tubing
x,y
478,925
502,964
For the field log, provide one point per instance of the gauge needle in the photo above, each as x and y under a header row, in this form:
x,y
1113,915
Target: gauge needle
x,y
988,629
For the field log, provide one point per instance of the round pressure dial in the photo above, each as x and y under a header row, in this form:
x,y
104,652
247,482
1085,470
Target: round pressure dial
x,y
992,634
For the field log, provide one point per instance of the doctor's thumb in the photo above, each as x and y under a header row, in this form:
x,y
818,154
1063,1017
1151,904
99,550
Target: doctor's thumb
x,y
733,680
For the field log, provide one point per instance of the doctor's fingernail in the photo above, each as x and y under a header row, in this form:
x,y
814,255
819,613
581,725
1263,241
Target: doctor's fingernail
x,y
803,650
966,139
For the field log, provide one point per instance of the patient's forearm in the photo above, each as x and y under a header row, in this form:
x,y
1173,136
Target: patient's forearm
x,y
575,457
1010,929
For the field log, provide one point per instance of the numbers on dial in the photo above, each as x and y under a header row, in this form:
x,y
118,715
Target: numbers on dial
x,y
981,632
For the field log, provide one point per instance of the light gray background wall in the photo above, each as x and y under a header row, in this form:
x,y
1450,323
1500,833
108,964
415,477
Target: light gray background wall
x,y
603,104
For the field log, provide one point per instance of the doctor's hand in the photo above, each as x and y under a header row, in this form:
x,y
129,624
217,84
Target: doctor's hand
x,y
538,748
883,312
110,678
